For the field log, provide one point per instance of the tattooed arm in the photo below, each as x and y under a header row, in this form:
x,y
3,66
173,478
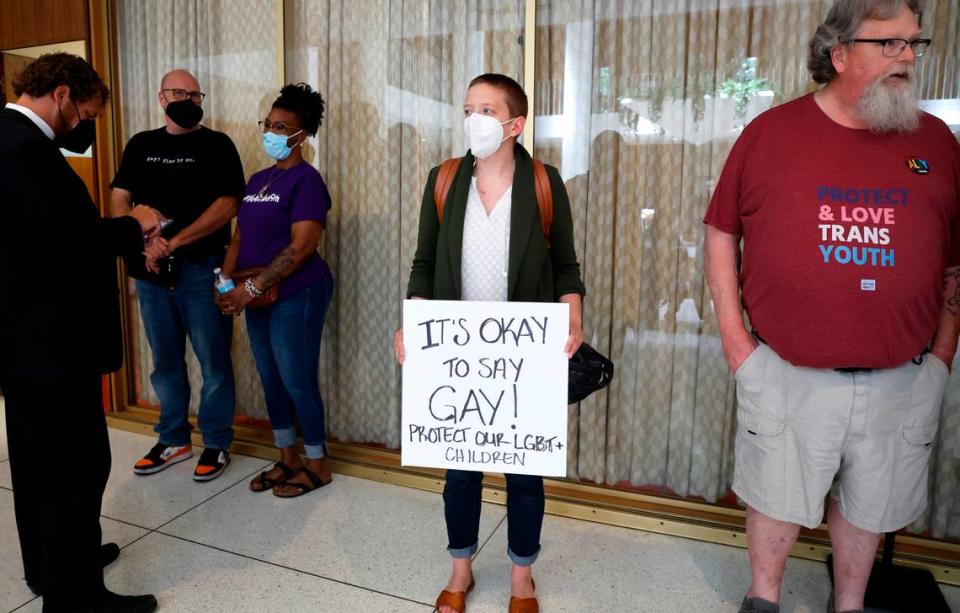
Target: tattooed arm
x,y
304,236
945,339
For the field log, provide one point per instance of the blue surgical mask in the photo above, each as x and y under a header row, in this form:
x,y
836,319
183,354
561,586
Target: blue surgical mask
x,y
275,145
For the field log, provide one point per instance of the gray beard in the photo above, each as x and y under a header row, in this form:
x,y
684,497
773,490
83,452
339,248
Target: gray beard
x,y
887,108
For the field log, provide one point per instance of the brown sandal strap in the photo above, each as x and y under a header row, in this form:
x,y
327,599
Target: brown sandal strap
x,y
524,605
313,478
455,600
264,483
286,470
315,484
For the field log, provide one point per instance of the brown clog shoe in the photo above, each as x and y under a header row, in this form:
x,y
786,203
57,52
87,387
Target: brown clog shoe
x,y
525,605
455,600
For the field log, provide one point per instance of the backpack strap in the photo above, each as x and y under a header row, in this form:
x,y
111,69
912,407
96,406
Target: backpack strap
x,y
448,170
541,183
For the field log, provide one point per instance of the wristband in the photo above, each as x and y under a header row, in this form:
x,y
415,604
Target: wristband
x,y
252,289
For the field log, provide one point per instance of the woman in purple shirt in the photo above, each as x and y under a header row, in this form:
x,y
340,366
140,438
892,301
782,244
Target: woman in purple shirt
x,y
279,224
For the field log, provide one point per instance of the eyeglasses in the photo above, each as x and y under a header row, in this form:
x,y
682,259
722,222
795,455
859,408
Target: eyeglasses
x,y
182,94
279,127
893,47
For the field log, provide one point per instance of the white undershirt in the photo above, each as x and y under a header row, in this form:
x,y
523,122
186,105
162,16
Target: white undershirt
x,y
33,117
486,246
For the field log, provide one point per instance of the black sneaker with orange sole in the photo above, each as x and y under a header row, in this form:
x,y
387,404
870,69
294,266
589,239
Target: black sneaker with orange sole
x,y
160,457
211,465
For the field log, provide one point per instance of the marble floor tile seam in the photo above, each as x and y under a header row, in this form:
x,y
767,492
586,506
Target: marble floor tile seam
x,y
128,522
503,520
289,568
139,538
208,499
199,504
257,560
161,530
20,606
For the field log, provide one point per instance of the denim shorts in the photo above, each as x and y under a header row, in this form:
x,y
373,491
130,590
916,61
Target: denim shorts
x,y
866,434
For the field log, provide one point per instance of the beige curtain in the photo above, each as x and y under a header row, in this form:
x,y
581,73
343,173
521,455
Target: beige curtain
x,y
394,73
631,108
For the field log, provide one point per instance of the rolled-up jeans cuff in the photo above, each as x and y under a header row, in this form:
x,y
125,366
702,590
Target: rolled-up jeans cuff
x,y
466,552
314,452
523,560
284,437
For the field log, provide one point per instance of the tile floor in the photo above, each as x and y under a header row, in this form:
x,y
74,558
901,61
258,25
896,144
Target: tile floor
x,y
365,546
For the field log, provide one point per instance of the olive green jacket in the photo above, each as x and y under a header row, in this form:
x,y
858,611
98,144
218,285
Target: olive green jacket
x,y
537,271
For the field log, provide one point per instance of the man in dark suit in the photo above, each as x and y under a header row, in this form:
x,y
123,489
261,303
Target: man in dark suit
x,y
59,330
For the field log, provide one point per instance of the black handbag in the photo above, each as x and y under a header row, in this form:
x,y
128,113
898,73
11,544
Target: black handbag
x,y
590,371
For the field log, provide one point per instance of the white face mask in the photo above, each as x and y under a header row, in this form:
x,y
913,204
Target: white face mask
x,y
484,134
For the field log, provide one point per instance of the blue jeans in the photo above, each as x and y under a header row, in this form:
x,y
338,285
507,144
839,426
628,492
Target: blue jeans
x,y
169,316
462,500
285,340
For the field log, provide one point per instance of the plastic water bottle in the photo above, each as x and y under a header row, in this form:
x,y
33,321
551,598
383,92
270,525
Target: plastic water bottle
x,y
223,284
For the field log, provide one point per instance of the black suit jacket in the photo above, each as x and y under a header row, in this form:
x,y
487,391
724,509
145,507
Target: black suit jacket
x,y
59,308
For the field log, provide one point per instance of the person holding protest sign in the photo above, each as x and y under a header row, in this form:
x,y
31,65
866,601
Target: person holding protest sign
x,y
285,289
495,242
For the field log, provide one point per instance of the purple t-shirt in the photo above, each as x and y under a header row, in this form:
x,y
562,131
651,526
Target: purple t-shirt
x,y
267,212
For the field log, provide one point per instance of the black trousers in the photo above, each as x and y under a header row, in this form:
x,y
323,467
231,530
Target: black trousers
x,y
59,461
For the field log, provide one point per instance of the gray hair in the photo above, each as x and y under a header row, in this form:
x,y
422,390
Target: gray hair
x,y
841,25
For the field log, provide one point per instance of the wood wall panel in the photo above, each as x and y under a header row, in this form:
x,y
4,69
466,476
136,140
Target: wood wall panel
x,y
27,23
12,64
83,166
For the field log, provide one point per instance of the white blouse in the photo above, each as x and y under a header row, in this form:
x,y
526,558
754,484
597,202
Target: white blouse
x,y
486,247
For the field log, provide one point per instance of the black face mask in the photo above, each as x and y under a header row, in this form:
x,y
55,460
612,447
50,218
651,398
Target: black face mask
x,y
80,137
184,113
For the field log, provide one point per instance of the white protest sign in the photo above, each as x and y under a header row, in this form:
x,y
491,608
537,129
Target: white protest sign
x,y
485,386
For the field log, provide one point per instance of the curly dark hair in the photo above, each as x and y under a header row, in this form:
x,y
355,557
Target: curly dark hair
x,y
301,100
50,70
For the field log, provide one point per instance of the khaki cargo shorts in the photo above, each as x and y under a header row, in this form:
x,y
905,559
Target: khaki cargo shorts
x,y
798,429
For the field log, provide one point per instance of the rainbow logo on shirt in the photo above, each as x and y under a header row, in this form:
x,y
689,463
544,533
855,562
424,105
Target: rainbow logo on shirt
x,y
918,165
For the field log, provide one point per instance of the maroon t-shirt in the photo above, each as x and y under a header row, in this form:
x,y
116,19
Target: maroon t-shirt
x,y
846,234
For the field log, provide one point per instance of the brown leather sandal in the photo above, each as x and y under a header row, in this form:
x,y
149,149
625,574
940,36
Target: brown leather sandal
x,y
302,488
525,605
455,600
262,482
